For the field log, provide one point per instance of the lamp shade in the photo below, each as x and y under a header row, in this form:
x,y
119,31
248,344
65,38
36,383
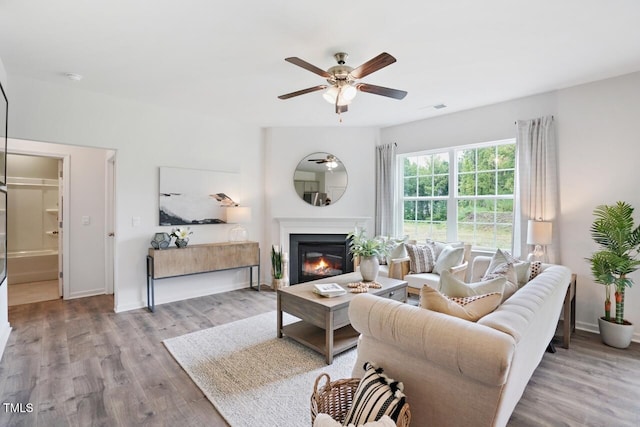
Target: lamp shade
x,y
238,215
539,232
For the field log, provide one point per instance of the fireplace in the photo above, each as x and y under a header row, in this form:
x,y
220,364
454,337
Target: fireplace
x,y
316,256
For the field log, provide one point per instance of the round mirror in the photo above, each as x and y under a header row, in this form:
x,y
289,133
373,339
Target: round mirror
x,y
320,179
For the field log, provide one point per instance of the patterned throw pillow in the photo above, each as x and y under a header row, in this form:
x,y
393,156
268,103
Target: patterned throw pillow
x,y
421,258
469,308
536,268
376,396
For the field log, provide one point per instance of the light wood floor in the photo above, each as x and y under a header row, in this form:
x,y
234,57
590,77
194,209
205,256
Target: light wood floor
x,y
80,364
27,293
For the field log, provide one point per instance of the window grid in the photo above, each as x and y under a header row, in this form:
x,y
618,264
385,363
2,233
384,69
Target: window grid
x,y
472,202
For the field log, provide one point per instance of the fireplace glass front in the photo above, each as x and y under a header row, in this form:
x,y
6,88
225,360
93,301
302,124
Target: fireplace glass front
x,y
318,256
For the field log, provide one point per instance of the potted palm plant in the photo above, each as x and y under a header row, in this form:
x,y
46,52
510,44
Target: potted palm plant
x,y
366,251
618,240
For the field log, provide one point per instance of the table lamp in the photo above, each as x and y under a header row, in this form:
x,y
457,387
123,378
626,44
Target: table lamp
x,y
238,215
538,234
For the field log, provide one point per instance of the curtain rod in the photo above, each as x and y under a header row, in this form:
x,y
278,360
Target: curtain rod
x,y
516,122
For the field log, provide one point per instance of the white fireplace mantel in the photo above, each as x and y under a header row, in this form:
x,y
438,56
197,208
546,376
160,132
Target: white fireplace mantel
x,y
317,225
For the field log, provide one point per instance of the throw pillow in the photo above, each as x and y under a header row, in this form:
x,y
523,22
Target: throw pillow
x,y
421,258
325,420
468,308
376,396
522,267
449,257
536,268
501,266
397,249
451,286
439,246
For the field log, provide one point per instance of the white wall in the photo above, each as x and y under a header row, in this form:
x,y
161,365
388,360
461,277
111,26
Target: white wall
x,y
598,152
145,138
5,327
285,147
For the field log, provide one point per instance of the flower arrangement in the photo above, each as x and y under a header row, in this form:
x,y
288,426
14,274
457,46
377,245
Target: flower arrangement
x,y
181,233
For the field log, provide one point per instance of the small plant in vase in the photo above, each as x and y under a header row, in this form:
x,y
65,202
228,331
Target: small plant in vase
x,y
182,236
276,267
365,252
618,240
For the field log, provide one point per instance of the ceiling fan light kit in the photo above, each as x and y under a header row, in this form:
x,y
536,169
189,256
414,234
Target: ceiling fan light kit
x,y
343,87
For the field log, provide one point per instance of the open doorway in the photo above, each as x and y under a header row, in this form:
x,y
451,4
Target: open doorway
x,y
34,225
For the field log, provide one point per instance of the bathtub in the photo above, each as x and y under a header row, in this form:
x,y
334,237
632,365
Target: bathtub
x,y
32,266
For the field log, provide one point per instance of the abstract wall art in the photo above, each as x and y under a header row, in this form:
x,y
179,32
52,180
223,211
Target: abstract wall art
x,y
195,196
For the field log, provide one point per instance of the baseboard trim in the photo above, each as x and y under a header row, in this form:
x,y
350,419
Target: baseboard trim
x,y
159,300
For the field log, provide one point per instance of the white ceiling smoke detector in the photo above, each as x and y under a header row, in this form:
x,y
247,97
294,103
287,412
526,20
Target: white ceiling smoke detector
x,y
73,76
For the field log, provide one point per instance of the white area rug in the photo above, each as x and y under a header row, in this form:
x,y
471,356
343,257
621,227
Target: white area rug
x,y
252,377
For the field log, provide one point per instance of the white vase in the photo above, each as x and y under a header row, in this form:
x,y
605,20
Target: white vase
x,y
369,267
614,334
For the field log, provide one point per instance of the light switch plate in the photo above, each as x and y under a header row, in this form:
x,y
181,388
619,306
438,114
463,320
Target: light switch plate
x,y
86,220
135,221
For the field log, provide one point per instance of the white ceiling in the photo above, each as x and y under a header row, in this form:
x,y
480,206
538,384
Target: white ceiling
x,y
226,58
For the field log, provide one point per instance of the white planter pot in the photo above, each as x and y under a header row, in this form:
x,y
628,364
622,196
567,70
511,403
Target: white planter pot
x,y
369,267
615,335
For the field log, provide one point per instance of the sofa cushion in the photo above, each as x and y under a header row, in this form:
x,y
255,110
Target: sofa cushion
x,y
417,281
448,257
377,395
468,308
421,257
451,286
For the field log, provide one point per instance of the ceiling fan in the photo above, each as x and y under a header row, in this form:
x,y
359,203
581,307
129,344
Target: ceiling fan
x,y
331,161
342,80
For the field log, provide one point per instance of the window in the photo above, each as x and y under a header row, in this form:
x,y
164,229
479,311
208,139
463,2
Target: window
x,y
462,194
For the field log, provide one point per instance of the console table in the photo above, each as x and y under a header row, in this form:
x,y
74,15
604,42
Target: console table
x,y
195,259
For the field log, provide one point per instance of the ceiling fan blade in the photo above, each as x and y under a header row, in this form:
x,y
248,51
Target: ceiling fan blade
x,y
372,65
302,92
310,67
379,90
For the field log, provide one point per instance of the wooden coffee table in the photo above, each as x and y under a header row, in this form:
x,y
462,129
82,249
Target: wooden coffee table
x,y
324,325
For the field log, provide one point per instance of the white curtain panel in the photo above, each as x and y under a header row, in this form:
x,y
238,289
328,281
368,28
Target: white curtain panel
x,y
537,195
385,189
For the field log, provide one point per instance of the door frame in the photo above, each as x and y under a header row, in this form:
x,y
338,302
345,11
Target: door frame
x,y
63,211
110,226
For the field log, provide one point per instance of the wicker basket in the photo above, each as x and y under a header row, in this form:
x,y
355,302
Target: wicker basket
x,y
334,398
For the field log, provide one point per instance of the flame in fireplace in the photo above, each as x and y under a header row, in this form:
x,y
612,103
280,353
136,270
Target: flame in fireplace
x,y
320,267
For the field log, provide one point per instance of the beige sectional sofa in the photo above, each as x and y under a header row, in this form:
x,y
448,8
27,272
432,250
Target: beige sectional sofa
x,y
456,372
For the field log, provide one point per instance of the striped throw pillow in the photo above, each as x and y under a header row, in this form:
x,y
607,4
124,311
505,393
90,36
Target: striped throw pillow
x,y
376,396
421,258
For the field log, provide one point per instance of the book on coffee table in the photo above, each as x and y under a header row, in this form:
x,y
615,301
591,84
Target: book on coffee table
x,y
329,289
